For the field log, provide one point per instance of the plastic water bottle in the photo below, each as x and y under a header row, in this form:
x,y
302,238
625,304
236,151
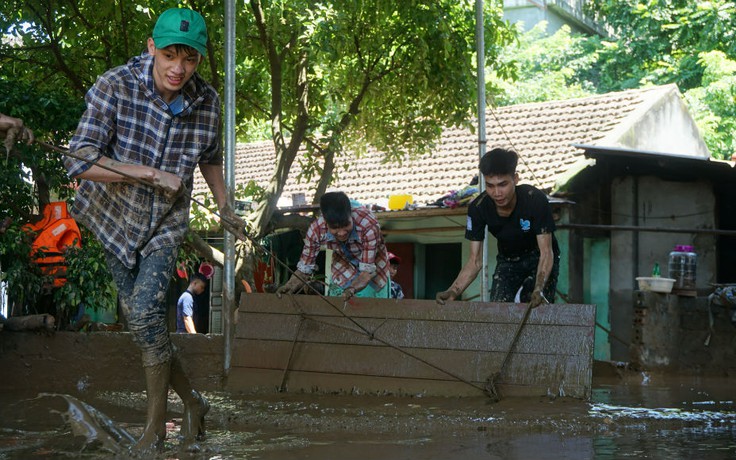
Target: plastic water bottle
x,y
655,271
683,266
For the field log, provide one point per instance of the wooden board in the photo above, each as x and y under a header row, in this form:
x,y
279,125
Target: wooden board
x,y
309,343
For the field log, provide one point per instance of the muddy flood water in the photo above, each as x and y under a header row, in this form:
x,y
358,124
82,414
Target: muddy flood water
x,y
635,416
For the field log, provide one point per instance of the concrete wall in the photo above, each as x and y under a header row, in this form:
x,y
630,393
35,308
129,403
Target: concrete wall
x,y
529,15
651,202
674,333
557,13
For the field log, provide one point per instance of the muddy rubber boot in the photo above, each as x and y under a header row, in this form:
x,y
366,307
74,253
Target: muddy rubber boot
x,y
195,405
157,391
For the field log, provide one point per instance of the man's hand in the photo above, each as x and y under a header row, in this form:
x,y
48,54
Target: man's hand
x,y
12,130
171,184
231,221
348,293
295,283
444,296
537,299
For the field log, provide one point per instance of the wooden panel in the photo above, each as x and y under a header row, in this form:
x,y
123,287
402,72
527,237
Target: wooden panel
x,y
257,380
479,312
67,361
379,346
534,338
473,366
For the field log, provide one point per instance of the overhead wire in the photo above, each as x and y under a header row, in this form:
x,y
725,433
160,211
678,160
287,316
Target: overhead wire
x,y
240,233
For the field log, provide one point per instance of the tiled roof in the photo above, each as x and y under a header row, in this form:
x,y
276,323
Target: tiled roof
x,y
542,134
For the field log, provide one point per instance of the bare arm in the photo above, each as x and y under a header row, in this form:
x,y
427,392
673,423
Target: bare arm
x,y
228,218
362,280
214,176
7,122
358,284
189,325
544,268
467,274
14,126
12,130
169,183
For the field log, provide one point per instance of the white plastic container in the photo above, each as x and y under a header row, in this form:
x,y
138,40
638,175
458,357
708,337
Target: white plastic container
x,y
655,284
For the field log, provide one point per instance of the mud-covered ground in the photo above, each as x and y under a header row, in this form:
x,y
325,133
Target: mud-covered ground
x,y
634,416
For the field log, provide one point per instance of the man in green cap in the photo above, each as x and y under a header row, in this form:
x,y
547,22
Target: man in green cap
x,y
153,119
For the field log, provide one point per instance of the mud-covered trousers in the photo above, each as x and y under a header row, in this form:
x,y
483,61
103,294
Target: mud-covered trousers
x,y
513,273
142,294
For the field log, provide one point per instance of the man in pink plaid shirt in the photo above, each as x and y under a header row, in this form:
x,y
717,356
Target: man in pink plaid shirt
x,y
359,257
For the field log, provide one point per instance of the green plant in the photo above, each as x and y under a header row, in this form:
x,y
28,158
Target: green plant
x,y
187,260
88,281
25,280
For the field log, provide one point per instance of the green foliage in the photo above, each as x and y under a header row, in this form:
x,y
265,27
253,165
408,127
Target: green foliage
x,y
202,219
692,44
53,116
187,260
385,74
714,104
341,73
653,42
549,67
59,44
658,41
25,280
30,177
88,281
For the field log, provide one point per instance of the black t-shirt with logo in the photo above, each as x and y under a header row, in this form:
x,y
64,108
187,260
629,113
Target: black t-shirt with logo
x,y
517,233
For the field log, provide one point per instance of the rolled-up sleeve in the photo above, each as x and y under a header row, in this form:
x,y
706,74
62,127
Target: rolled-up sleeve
x,y
370,237
95,129
312,243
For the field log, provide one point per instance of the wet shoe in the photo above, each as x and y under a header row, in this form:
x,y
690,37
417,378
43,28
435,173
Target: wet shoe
x,y
193,422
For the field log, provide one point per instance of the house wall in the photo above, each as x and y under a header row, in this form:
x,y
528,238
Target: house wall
x,y
652,202
595,291
666,126
584,270
451,230
683,334
528,15
432,234
556,12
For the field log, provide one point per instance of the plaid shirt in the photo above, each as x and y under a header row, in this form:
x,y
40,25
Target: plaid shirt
x,y
364,251
128,121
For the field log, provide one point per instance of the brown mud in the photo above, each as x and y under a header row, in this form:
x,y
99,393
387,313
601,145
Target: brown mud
x,y
632,415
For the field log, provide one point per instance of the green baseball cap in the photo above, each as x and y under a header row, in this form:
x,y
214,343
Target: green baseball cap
x,y
181,26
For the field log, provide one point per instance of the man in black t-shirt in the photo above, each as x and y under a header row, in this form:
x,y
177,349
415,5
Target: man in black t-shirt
x,y
520,218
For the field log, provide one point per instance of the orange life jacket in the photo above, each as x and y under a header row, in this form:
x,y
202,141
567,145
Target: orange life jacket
x,y
56,231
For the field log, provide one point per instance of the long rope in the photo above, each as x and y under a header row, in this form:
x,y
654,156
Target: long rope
x,y
372,336
240,233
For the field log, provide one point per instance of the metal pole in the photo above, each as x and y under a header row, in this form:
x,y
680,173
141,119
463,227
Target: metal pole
x,y
228,278
481,64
